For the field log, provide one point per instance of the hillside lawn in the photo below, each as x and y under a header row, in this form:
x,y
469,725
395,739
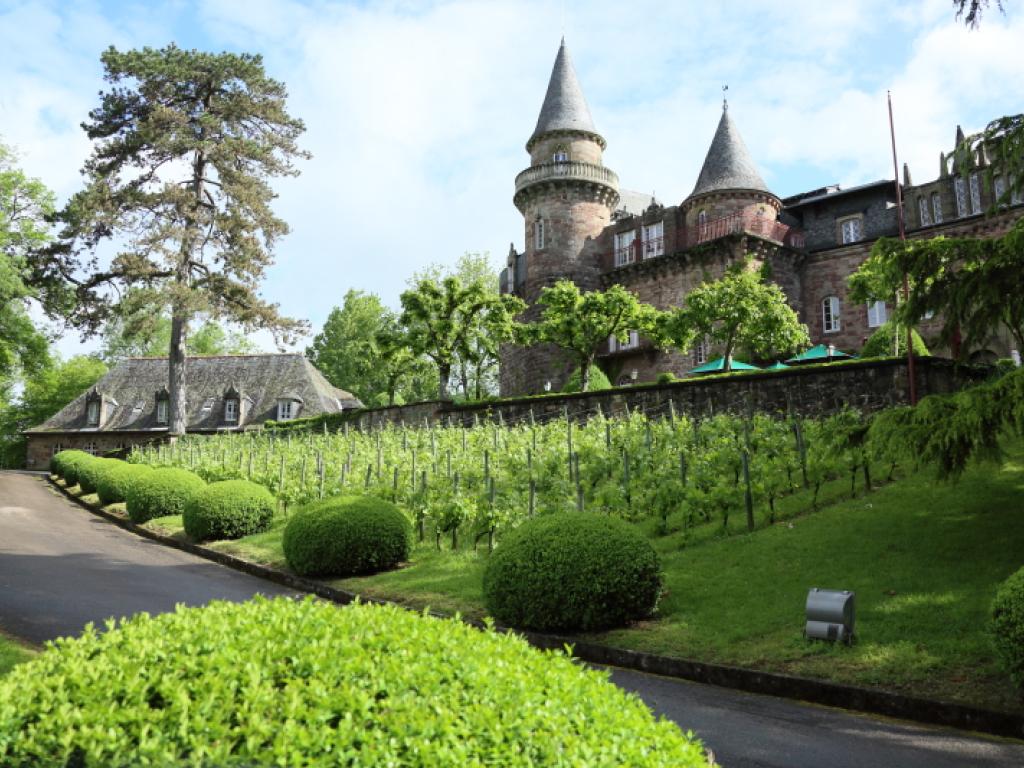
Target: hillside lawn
x,y
13,652
925,559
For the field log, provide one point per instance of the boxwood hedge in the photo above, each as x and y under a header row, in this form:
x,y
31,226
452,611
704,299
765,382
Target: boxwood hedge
x,y
114,483
164,491
346,536
1008,626
65,464
91,472
229,509
320,685
571,571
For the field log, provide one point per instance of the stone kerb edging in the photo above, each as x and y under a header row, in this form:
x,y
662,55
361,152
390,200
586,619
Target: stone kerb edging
x,y
770,683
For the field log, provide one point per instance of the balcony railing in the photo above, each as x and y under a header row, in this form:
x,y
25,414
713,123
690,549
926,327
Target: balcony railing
x,y
572,170
638,250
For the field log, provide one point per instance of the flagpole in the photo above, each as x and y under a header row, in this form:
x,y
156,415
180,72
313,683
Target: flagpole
x,y
903,238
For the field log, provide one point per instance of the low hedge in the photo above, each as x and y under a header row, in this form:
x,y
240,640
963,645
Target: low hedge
x,y
228,509
65,464
320,685
164,491
91,472
346,536
572,571
1007,626
113,485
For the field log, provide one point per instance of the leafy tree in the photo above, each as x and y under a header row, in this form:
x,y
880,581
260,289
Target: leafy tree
x,y
967,281
740,310
407,376
24,205
45,393
476,365
441,320
178,184
581,323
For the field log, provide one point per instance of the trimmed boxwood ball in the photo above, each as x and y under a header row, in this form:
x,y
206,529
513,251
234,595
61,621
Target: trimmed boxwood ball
x,y
320,685
116,480
572,571
1007,626
229,509
164,491
91,472
346,536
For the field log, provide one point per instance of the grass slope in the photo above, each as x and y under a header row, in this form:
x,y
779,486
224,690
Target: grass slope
x,y
12,652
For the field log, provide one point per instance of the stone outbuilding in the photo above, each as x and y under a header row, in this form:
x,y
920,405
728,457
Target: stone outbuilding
x,y
225,393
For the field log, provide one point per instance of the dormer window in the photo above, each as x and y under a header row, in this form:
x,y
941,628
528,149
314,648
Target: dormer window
x,y
851,229
975,193
231,410
162,407
92,413
288,407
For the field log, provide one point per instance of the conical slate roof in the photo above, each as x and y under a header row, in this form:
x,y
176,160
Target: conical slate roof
x,y
564,107
728,164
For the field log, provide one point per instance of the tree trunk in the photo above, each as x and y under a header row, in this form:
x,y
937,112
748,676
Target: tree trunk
x,y
727,359
176,388
585,373
444,373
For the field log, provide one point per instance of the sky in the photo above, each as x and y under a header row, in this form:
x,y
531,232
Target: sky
x,y
417,113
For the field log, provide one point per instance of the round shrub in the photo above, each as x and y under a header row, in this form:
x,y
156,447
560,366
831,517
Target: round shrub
x,y
163,491
66,462
91,472
346,536
114,484
570,571
1008,626
597,381
321,685
229,509
881,342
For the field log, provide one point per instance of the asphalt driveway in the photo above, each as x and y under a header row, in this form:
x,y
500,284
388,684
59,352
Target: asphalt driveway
x,y
61,567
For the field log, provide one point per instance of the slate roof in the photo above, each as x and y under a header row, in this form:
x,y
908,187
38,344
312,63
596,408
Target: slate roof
x,y
130,390
728,164
564,107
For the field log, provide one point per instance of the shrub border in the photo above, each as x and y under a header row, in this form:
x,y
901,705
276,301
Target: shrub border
x,y
856,698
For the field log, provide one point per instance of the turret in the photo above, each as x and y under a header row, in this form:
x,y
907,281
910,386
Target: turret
x,y
729,182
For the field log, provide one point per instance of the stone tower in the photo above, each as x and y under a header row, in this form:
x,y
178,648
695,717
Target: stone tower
x,y
566,197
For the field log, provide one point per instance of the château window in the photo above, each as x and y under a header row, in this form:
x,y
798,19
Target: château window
x,y
975,193
937,207
231,410
653,239
90,448
922,208
632,342
702,219
561,155
161,411
999,189
92,413
287,409
876,314
538,234
701,350
57,448
851,230
830,320
961,196
624,247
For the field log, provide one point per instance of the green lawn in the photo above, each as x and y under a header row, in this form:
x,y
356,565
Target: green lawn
x,y
13,652
924,559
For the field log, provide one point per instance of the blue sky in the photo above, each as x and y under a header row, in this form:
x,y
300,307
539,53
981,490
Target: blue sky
x,y
417,113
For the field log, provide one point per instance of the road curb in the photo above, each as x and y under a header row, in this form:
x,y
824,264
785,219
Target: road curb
x,y
752,681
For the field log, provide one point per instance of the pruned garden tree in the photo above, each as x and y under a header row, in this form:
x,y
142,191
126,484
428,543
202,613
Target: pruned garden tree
x,y
177,202
25,204
440,320
581,323
739,311
406,375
